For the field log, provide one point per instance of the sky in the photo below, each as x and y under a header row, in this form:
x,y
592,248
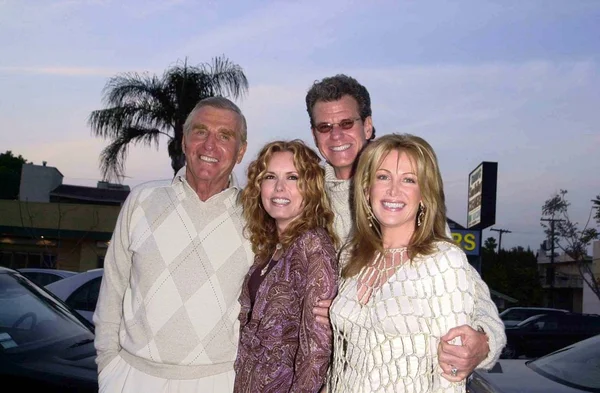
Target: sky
x,y
512,82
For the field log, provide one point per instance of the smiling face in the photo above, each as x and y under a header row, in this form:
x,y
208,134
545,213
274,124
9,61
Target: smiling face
x,y
279,191
394,197
212,147
341,147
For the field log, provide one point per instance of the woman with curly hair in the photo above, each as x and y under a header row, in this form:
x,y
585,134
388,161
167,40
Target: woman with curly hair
x,y
282,347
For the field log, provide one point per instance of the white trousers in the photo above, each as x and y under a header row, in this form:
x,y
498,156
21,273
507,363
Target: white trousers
x,y
119,377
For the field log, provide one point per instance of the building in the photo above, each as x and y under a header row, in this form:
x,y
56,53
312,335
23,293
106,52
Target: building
x,y
566,289
57,225
591,301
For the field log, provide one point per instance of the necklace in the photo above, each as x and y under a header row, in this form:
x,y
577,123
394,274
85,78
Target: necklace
x,y
266,268
373,276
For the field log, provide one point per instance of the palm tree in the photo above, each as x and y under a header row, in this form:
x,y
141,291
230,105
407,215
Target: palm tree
x,y
142,108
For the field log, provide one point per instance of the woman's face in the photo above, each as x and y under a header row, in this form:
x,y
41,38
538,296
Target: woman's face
x,y
279,191
395,195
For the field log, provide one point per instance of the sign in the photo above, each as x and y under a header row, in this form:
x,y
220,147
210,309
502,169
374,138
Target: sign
x,y
481,205
469,241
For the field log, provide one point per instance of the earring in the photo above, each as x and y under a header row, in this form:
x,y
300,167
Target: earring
x,y
370,216
421,214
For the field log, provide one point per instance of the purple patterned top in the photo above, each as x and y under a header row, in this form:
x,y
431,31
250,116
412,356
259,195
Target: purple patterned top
x,y
282,347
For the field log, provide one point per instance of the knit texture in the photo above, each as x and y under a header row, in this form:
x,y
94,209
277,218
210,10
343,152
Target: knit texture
x,y
168,303
339,192
389,344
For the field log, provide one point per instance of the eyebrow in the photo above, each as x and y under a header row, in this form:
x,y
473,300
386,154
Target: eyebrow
x,y
403,173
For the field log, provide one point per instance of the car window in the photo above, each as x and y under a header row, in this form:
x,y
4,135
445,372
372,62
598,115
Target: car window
x,y
576,366
86,296
42,279
31,318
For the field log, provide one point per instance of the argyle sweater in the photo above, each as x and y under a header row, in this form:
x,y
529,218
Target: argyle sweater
x,y
168,302
339,192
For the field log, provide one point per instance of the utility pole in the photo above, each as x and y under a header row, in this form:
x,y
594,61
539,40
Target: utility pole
x,y
550,274
500,231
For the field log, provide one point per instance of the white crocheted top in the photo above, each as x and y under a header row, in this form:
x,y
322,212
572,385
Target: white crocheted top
x,y
389,344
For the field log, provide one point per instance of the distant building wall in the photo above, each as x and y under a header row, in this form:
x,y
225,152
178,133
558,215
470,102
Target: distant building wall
x,y
62,236
591,303
37,181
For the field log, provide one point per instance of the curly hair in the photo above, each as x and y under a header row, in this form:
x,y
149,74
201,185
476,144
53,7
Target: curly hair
x,y
334,88
366,239
316,209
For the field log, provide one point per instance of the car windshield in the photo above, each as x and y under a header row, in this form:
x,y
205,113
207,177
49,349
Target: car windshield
x,y
30,318
577,366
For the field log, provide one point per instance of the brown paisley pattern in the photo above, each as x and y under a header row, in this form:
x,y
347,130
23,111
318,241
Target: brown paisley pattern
x,y
282,348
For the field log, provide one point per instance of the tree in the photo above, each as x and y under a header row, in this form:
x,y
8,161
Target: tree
x,y
10,175
490,244
570,239
503,269
142,108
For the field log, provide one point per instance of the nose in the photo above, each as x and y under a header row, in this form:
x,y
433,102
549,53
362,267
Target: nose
x,y
394,188
209,142
336,132
279,185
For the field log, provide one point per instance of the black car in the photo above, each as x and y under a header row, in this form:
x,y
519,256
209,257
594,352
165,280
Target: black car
x,y
541,334
45,346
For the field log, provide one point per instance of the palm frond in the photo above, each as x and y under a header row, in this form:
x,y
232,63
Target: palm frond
x,y
113,156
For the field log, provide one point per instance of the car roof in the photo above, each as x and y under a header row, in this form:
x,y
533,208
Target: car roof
x,y
44,270
64,287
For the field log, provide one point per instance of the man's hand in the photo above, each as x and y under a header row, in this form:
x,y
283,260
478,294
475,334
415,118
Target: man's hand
x,y
321,311
464,358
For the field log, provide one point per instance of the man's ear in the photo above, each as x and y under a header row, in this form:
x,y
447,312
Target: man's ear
x,y
241,152
368,127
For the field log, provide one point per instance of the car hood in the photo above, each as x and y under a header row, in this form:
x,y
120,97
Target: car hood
x,y
72,368
513,376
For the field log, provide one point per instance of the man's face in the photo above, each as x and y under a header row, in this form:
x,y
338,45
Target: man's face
x,y
213,145
341,147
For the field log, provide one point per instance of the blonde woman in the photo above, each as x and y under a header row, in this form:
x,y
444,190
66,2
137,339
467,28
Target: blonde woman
x,y
404,282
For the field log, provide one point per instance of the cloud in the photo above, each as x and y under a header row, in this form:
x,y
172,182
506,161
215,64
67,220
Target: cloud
x,y
61,71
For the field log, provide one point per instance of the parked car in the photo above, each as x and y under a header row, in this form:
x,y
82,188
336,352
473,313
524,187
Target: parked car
x,y
43,277
45,346
515,315
574,369
541,334
80,291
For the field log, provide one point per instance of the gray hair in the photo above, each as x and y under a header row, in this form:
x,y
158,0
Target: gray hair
x,y
219,103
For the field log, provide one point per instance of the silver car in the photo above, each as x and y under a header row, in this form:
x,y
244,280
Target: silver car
x,y
573,369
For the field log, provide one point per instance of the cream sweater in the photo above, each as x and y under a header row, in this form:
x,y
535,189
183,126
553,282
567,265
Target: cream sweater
x,y
168,303
339,192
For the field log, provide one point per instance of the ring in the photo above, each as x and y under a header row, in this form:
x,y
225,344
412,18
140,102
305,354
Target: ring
x,y
454,371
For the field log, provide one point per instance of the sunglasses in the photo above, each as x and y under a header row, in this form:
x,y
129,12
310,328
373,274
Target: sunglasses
x,y
345,124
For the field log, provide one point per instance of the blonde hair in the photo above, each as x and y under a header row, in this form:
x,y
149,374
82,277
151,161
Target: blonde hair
x,y
316,209
366,240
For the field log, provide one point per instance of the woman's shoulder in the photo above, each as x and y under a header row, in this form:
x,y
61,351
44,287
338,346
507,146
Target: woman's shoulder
x,y
314,235
448,253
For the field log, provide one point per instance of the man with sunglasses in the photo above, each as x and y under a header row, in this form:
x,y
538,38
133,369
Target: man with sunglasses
x,y
339,108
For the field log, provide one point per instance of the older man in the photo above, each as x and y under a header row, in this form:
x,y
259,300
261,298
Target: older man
x,y
340,116
166,319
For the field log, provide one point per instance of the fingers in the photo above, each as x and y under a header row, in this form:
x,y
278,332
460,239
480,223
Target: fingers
x,y
456,355
460,375
324,303
322,320
459,331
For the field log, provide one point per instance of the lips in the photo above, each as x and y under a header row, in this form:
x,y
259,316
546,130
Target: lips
x,y
280,201
341,147
393,205
208,159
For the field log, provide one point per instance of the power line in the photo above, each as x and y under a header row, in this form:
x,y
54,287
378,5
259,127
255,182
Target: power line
x,y
550,273
500,231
